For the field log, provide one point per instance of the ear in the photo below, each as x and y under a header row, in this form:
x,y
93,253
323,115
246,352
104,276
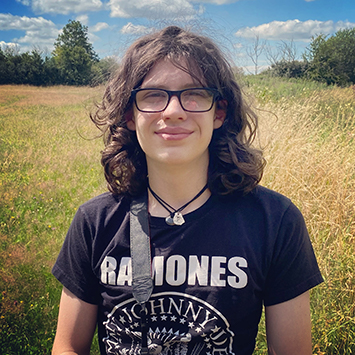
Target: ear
x,y
220,113
131,125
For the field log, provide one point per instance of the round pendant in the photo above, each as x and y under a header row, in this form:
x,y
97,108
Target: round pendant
x,y
169,220
178,219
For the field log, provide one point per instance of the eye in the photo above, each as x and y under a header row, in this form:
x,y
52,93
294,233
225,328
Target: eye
x,y
198,93
152,94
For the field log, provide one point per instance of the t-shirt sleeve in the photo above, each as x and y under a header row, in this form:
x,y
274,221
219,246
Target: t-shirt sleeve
x,y
294,268
73,267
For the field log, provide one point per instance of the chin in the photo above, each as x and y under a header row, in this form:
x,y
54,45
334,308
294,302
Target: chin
x,y
178,157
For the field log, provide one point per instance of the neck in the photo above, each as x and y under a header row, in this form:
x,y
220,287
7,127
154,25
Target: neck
x,y
177,186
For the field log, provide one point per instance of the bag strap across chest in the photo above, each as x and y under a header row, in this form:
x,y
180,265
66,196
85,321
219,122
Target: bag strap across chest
x,y
142,283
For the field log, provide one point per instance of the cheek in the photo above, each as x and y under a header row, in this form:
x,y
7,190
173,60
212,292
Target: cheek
x,y
139,121
140,124
142,127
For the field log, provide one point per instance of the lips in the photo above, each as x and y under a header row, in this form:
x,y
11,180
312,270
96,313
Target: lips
x,y
174,133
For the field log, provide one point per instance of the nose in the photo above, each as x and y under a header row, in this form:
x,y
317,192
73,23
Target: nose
x,y
174,109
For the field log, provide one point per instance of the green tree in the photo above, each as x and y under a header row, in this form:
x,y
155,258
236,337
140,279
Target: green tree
x,y
51,74
332,60
24,68
30,70
288,69
74,55
4,71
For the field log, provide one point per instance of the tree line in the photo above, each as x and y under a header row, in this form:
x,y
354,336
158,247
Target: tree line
x,y
328,59
72,62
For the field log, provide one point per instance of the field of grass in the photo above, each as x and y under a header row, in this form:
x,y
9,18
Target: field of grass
x,y
47,169
308,135
49,165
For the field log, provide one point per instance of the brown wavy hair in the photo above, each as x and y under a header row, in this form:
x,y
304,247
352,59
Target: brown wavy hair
x,y
235,166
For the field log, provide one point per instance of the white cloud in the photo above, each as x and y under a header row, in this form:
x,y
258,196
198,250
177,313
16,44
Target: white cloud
x,y
6,45
292,30
93,38
38,31
134,29
341,25
63,6
84,19
217,2
151,9
99,27
11,22
24,2
39,37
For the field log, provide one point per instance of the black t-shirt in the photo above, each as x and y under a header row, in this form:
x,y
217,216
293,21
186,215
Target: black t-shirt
x,y
211,275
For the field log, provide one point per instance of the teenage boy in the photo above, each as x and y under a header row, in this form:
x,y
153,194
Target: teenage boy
x,y
177,129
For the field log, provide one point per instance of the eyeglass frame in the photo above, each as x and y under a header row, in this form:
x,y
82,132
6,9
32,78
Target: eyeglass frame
x,y
177,93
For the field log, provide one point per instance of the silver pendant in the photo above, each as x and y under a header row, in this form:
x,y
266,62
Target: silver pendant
x,y
178,219
169,220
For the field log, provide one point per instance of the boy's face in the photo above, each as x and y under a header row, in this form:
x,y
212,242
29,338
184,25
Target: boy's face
x,y
174,136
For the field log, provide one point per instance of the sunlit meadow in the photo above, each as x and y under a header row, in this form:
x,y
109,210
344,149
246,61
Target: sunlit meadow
x,y
308,134
49,165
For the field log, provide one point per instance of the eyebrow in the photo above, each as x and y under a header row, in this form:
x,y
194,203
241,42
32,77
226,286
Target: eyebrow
x,y
163,87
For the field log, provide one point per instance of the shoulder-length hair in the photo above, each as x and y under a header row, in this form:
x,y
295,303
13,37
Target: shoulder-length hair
x,y
235,166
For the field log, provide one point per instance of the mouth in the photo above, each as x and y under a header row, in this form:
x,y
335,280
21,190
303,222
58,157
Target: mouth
x,y
173,133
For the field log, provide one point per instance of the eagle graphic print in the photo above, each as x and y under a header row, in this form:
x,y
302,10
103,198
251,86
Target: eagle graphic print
x,y
178,324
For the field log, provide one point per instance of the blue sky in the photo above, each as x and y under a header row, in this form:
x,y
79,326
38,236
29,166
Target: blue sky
x,y
235,24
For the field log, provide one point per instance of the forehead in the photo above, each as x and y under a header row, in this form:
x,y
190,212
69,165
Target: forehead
x,y
173,74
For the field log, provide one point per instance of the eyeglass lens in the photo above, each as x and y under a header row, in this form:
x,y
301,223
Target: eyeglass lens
x,y
154,100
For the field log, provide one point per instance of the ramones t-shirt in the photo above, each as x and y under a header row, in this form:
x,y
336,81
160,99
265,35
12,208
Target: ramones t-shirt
x,y
211,275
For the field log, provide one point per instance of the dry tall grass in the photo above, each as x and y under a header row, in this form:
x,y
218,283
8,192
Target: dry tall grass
x,y
310,149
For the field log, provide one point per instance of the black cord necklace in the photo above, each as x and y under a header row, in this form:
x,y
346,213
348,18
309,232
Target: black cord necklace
x,y
175,217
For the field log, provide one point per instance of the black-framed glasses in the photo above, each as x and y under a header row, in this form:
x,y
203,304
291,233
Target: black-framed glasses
x,y
152,100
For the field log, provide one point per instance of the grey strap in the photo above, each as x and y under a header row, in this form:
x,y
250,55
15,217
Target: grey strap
x,y
142,282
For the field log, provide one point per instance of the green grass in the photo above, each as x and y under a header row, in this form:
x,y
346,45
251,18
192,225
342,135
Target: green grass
x,y
267,88
47,169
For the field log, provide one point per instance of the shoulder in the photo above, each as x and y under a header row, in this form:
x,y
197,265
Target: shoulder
x,y
268,198
277,207
104,202
104,207
262,208
274,202
259,199
105,199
